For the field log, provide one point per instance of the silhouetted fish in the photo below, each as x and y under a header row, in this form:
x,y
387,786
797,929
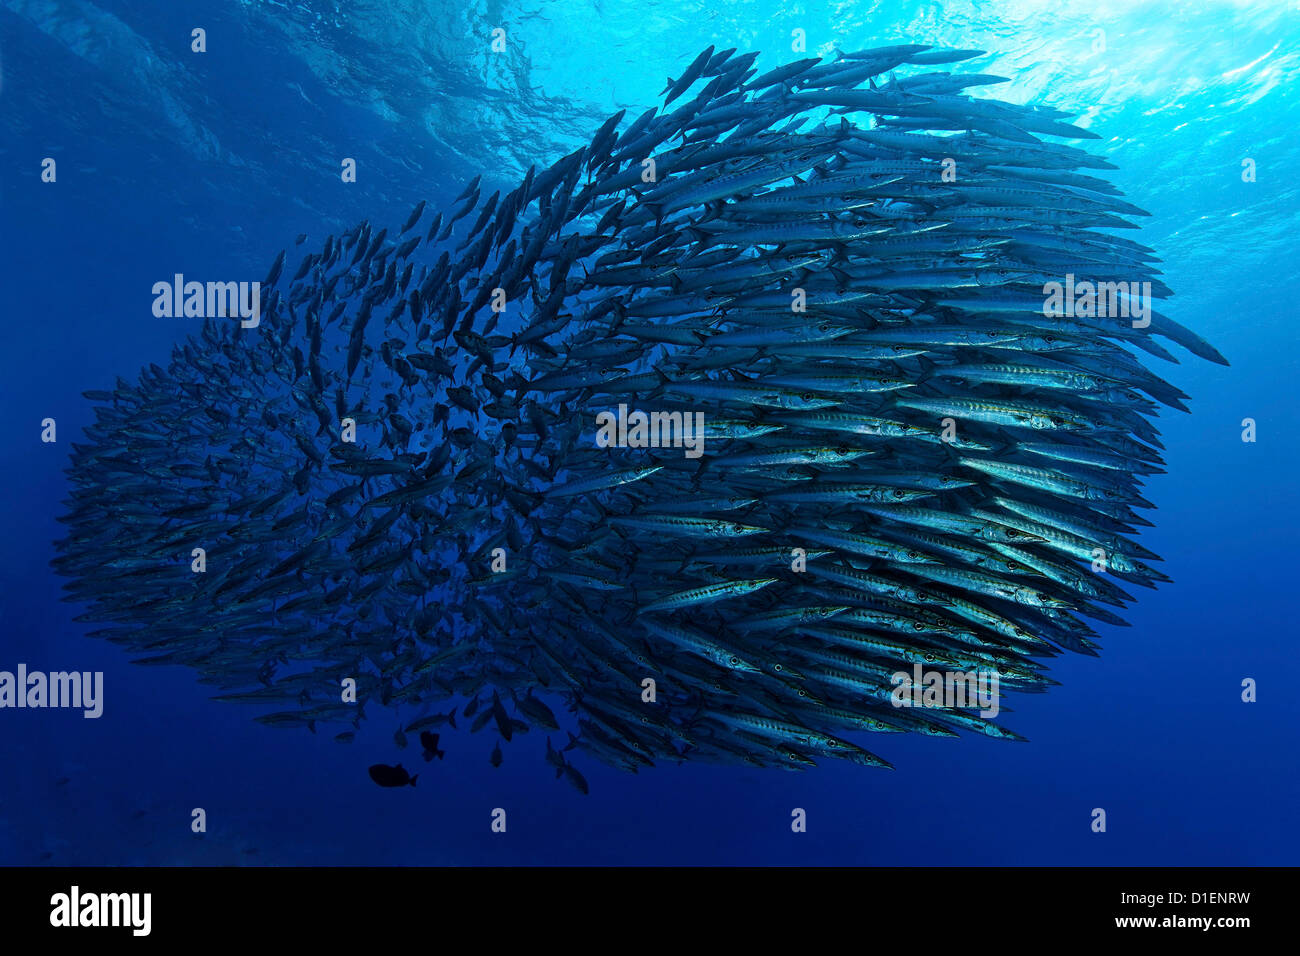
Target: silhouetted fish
x,y
430,744
387,776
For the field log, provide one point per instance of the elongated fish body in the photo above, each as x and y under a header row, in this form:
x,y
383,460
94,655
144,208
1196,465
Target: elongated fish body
x,y
707,594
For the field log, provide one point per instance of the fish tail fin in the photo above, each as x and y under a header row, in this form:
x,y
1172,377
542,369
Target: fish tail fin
x,y
664,382
452,718
698,237
414,777
699,473
1002,452
620,316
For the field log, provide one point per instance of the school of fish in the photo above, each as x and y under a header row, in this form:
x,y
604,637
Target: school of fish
x,y
840,263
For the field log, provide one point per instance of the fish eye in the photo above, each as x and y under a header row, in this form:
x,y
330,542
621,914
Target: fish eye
x,y
824,327
776,667
737,527
929,658
807,396
898,493
735,661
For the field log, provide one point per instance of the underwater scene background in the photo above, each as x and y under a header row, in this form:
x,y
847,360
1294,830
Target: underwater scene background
x,y
209,164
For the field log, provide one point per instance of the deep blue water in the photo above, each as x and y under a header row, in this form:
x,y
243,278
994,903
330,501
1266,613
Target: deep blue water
x,y
170,161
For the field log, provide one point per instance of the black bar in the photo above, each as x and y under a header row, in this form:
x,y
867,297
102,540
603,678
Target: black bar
x,y
945,905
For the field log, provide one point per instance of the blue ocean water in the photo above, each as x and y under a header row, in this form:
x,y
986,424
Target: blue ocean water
x,y
173,161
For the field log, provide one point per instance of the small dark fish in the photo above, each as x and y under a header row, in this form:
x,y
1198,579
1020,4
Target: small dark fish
x,y
433,720
539,712
578,780
501,717
462,397
387,776
430,744
433,230
268,281
554,758
470,188
496,755
415,216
